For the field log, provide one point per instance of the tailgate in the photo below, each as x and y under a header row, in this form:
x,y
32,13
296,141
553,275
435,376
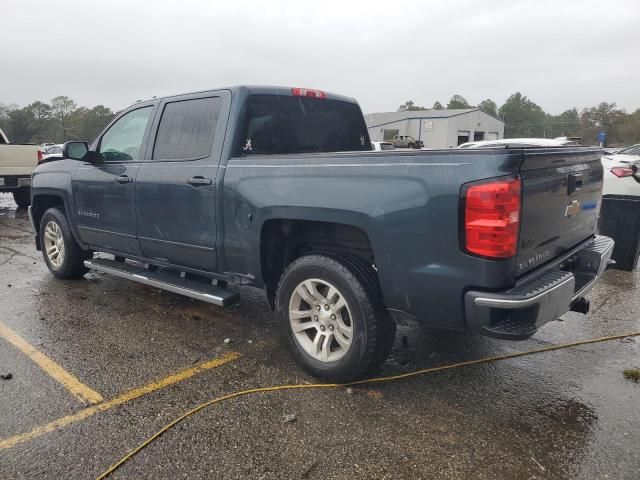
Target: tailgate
x,y
18,159
561,194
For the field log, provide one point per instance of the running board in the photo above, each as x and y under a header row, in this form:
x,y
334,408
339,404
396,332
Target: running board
x,y
165,281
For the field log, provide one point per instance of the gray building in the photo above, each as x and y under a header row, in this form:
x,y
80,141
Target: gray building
x,y
436,128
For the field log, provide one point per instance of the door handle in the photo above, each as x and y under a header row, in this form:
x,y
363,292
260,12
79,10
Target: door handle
x,y
199,181
124,179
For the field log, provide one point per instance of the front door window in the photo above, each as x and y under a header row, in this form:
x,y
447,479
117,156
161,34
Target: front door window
x,y
123,140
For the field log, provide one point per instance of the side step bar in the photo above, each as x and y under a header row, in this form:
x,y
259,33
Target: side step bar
x,y
165,281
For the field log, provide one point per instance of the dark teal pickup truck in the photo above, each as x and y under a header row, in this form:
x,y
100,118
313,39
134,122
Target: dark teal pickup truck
x,y
277,188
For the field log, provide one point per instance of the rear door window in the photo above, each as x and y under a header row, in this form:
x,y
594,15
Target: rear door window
x,y
186,129
280,124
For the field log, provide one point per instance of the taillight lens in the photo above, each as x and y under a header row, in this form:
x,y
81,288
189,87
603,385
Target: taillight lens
x,y
492,217
622,171
39,156
307,92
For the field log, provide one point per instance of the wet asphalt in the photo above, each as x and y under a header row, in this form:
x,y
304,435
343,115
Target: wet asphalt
x,y
567,414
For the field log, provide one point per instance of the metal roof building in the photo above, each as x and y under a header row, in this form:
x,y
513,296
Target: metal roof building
x,y
436,128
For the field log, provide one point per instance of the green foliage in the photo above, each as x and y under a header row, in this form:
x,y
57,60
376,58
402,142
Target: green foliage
x,y
489,106
458,101
522,117
603,117
57,122
632,374
567,124
629,128
437,106
410,106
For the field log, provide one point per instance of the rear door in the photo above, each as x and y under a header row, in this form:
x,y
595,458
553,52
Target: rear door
x,y
104,193
176,185
561,194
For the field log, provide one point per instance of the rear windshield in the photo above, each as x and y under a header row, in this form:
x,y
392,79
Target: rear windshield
x,y
275,124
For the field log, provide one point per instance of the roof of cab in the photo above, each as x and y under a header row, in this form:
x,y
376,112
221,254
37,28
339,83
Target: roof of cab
x,y
258,90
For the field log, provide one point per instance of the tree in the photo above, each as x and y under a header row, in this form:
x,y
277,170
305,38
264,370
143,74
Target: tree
x,y
489,106
41,111
604,117
61,107
62,120
41,121
522,117
86,124
410,106
4,112
458,101
437,106
20,125
567,124
629,128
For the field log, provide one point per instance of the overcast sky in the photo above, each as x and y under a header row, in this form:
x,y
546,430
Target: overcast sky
x,y
559,53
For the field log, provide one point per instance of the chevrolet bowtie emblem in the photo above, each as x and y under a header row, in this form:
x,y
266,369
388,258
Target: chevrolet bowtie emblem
x,y
573,209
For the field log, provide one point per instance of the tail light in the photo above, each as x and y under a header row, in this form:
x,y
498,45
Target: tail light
x,y
622,171
39,156
492,217
307,92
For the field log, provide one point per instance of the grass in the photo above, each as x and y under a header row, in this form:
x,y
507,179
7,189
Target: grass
x,y
632,374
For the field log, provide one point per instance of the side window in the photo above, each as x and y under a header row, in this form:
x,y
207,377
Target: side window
x,y
123,140
187,129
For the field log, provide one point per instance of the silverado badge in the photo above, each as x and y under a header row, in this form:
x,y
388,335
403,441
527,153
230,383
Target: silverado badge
x,y
573,209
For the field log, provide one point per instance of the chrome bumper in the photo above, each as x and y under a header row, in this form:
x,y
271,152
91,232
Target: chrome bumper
x,y
521,310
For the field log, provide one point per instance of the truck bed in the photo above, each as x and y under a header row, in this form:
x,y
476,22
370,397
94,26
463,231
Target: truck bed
x,y
408,203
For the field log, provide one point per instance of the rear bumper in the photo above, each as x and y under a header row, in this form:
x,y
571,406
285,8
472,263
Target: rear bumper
x,y
8,183
517,313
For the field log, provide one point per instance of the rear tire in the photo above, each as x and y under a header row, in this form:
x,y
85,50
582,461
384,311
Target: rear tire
x,y
22,197
62,254
332,316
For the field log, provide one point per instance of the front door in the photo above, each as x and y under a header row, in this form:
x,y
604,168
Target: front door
x,y
104,193
175,188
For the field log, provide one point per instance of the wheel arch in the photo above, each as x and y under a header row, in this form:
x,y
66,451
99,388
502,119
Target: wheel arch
x,y
283,239
42,200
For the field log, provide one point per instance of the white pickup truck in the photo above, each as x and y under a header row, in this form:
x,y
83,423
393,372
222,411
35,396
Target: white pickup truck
x,y
17,161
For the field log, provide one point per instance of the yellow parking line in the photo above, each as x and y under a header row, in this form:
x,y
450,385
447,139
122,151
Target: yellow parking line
x,y
68,381
119,400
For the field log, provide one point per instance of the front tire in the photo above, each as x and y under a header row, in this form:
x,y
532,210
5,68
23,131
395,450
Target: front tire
x,y
22,197
332,316
62,254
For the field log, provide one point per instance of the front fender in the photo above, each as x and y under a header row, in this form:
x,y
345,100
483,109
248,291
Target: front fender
x,y
53,179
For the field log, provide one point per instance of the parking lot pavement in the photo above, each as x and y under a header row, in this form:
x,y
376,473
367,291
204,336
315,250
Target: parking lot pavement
x,y
152,356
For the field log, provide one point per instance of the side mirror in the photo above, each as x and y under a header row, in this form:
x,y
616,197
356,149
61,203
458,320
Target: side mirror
x,y
636,173
75,150
80,151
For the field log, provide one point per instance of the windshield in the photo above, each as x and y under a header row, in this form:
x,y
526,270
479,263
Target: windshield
x,y
632,150
278,124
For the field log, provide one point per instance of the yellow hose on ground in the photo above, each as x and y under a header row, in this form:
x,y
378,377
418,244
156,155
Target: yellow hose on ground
x,y
423,371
